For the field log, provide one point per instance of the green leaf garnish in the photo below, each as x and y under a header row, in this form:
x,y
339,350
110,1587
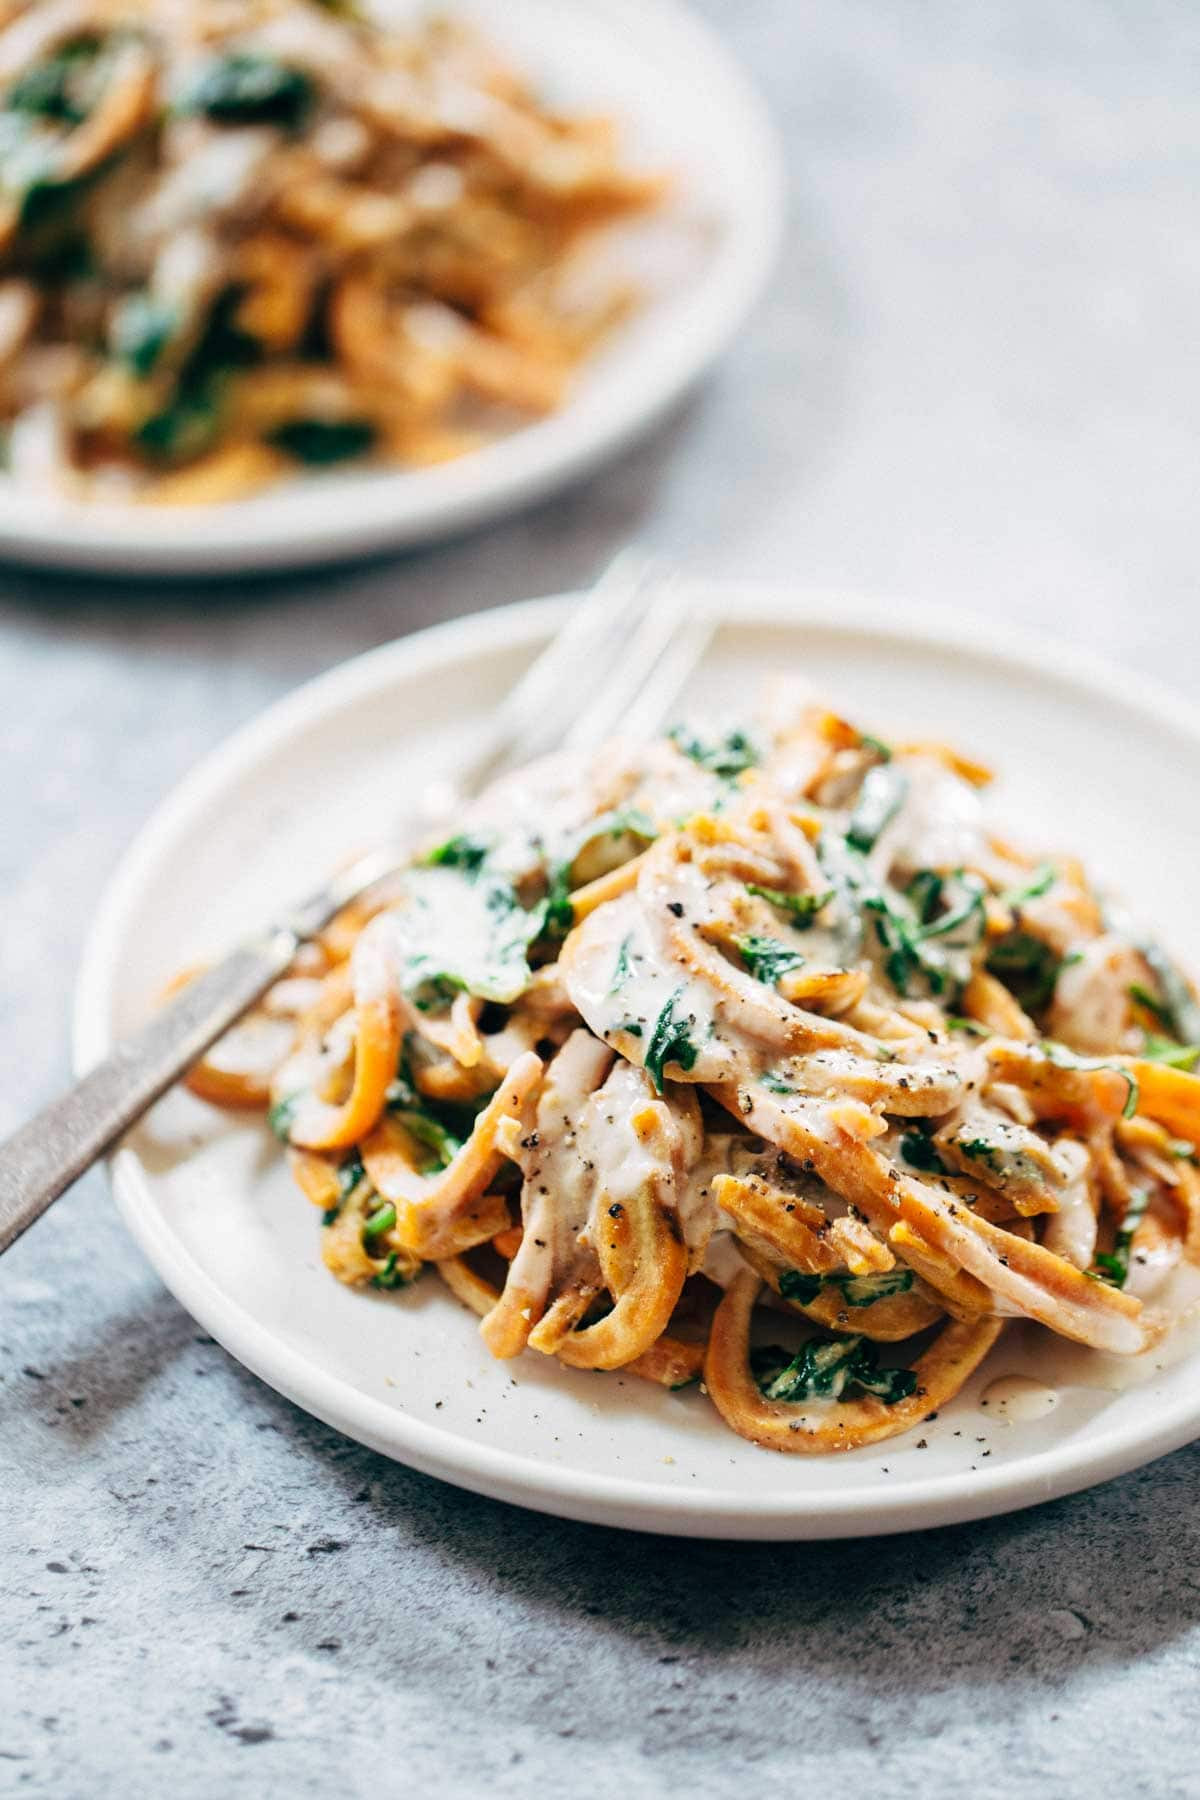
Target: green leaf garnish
x,y
774,1083
1070,1059
459,852
349,1174
60,87
1028,968
821,1370
925,893
888,1385
1039,882
182,429
191,415
425,1130
560,913
1175,1056
880,798
320,442
954,1023
865,1290
1114,1265
381,1220
1180,1006
856,1290
281,1115
670,1042
979,1150
802,909
243,89
824,1369
964,920
1153,1005
799,1285
767,958
621,968
727,757
919,1152
628,821
140,331
438,1128
901,937
438,1125
623,821
933,951
391,1275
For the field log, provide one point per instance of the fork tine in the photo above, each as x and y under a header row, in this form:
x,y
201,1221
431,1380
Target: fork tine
x,y
664,649
648,711
536,715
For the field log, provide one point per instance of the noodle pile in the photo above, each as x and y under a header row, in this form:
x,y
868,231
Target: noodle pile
x,y
240,238
757,1058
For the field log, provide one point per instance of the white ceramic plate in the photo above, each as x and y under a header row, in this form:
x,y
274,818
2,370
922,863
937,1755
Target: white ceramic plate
x,y
686,109
1090,760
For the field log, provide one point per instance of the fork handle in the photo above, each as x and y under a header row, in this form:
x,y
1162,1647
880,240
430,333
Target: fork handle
x,y
53,1149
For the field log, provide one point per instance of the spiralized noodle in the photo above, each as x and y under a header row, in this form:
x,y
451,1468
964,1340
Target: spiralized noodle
x,y
237,239
756,1057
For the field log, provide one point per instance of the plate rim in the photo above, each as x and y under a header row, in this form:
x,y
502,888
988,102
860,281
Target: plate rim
x,y
545,1487
521,469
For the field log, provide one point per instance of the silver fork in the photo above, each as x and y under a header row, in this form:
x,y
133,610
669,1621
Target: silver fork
x,y
621,658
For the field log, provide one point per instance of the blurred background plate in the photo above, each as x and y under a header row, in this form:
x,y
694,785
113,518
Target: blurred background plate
x,y
683,107
1089,760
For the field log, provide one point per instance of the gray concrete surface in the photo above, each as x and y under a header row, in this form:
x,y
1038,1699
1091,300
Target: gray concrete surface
x,y
976,379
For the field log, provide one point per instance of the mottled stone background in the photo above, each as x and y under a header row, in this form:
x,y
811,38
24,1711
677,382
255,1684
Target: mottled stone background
x,y
976,380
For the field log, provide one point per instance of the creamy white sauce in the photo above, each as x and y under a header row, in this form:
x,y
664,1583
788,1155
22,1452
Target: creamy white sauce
x,y
723,1261
1152,1257
298,35
585,1156
939,825
982,1141
184,269
618,980
294,995
442,922
653,951
1019,1399
215,176
699,1214
18,310
435,187
32,33
1063,1364
340,143
37,449
1072,1231
560,1174
1090,1008
257,1045
539,815
311,1065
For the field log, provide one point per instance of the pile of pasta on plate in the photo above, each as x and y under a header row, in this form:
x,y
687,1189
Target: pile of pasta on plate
x,y
752,1057
239,239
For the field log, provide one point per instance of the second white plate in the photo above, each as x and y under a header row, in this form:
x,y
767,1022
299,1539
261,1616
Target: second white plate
x,y
685,108
1090,761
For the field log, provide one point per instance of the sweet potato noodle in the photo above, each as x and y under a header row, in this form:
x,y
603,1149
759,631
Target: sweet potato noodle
x,y
239,238
755,1056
